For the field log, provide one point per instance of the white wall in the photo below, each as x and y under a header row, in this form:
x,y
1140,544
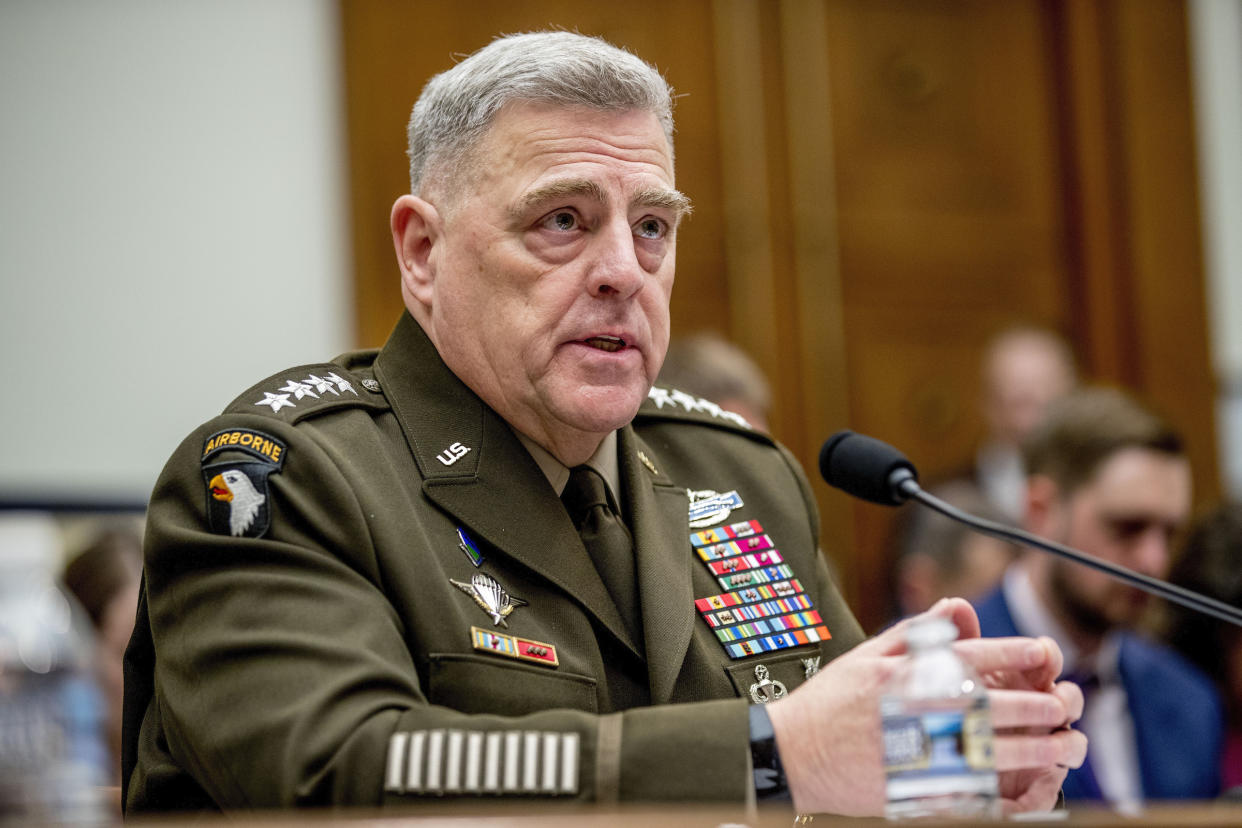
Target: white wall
x,y
1216,39
173,225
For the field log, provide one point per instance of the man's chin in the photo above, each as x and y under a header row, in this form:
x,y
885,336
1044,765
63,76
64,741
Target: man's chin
x,y
601,410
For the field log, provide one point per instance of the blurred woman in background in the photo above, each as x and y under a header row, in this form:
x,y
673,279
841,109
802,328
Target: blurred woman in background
x,y
104,578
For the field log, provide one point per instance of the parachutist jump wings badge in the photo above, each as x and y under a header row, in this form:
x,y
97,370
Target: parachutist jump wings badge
x,y
490,596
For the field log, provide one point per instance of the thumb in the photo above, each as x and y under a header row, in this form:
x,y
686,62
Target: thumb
x,y
961,613
892,641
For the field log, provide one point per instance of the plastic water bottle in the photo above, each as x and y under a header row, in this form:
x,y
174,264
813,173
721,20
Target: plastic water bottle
x,y
52,756
937,732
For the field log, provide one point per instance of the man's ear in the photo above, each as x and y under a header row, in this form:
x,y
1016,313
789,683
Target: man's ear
x,y
1043,500
416,228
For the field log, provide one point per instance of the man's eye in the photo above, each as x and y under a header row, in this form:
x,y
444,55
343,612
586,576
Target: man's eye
x,y
650,228
563,220
1127,529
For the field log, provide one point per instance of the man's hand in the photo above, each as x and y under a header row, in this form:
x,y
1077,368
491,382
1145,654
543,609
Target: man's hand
x,y
828,730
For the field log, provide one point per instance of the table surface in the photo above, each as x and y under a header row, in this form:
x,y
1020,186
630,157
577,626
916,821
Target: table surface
x,y
539,815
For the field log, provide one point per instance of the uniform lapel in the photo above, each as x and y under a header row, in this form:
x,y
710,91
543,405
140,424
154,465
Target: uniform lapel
x,y
660,523
475,469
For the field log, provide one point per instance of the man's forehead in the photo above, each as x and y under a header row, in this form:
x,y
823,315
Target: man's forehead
x,y
1142,480
524,133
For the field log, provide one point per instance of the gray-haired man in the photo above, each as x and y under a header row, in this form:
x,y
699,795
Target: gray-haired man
x,y
491,559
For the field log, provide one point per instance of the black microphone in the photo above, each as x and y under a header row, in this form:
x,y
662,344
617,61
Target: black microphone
x,y
875,471
866,468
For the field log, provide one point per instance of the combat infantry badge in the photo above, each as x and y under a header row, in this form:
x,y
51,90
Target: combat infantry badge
x,y
490,596
709,507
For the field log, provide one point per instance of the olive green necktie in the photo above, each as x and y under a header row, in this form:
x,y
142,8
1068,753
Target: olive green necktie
x,y
607,541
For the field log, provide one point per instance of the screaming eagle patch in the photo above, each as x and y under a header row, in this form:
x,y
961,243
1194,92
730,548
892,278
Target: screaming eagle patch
x,y
237,495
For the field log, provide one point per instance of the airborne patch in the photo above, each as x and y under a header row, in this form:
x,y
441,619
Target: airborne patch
x,y
255,443
237,492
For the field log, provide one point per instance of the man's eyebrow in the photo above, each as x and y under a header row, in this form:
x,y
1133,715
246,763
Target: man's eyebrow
x,y
665,198
556,190
661,197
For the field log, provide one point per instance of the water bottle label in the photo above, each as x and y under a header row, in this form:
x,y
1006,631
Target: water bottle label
x,y
934,752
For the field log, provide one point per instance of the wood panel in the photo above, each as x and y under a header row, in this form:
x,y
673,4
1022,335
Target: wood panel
x,y
949,222
1138,296
1171,361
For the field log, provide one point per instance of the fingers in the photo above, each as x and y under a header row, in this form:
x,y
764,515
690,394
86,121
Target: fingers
x,y
1060,748
893,640
1000,655
1070,695
961,613
1029,708
1027,791
1056,659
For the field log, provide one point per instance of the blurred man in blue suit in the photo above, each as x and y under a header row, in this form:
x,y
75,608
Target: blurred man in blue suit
x,y
1109,477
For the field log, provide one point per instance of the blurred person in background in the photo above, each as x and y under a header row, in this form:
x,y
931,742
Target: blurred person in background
x,y
1110,478
1023,370
1211,564
707,365
104,578
939,558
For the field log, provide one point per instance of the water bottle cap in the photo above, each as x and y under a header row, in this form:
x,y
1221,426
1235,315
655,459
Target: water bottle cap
x,y
930,632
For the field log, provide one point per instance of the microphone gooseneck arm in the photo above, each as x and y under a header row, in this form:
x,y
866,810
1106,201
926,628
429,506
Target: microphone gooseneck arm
x,y
904,482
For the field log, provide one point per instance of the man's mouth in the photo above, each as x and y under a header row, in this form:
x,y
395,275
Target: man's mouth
x,y
606,343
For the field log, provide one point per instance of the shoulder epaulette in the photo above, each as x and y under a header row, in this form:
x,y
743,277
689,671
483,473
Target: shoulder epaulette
x,y
310,390
674,404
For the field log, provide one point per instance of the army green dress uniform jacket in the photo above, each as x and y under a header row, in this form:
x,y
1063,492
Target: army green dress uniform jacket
x,y
301,640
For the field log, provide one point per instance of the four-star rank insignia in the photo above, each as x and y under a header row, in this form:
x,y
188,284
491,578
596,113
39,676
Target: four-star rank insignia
x,y
237,494
763,606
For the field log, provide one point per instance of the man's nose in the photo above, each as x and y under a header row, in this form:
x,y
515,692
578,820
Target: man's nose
x,y
1151,553
615,269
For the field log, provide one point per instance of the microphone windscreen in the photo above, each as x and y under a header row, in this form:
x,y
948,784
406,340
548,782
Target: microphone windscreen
x,y
863,466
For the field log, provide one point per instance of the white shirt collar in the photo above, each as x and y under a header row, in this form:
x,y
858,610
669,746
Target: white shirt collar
x,y
1002,477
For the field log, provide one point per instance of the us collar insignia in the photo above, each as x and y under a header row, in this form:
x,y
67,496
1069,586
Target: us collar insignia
x,y
764,606
465,544
707,507
237,494
514,647
490,596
